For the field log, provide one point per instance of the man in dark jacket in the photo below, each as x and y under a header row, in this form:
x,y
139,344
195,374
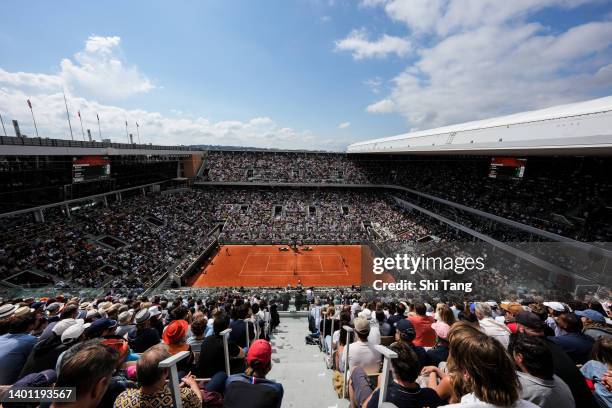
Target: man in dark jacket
x,y
564,367
576,344
145,336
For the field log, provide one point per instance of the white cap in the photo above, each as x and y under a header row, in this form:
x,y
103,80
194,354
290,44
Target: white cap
x,y
365,313
72,333
61,326
154,311
556,306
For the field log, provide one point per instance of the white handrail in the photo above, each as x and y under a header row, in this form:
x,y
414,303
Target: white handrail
x,y
349,330
388,354
225,333
171,363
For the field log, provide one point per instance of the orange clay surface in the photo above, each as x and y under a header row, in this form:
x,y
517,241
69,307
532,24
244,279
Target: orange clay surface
x,y
266,265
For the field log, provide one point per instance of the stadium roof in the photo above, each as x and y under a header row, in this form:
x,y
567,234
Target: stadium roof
x,y
577,128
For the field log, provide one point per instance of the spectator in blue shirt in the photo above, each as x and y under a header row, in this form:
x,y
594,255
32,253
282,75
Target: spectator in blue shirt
x,y
239,327
596,370
576,344
15,346
252,389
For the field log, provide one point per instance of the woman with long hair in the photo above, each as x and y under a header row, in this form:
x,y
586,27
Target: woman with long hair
x,y
446,315
481,371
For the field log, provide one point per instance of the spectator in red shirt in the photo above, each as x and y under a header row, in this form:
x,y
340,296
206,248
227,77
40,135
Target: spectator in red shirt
x,y
425,335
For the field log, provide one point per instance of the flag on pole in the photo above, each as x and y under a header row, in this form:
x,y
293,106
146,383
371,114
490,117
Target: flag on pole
x,y
79,112
29,104
97,116
136,124
68,115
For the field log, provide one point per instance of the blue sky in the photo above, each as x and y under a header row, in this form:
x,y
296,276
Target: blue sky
x,y
289,73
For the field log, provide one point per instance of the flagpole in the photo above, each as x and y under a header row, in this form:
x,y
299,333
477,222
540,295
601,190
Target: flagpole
x,y
99,128
138,132
126,132
82,131
3,128
68,115
33,120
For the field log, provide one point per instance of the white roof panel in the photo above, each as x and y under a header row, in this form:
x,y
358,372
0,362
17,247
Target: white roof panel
x,y
553,124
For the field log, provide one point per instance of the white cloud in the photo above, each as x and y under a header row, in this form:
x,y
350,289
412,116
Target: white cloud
x,y
374,84
383,106
154,127
98,71
446,16
103,45
87,75
361,47
485,58
419,15
344,125
371,3
34,81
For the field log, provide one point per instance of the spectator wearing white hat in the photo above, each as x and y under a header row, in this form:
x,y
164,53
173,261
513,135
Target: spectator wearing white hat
x,y
144,336
555,309
156,322
125,324
6,311
71,336
69,312
45,353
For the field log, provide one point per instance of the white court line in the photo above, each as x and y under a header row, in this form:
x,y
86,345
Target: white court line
x,y
291,274
270,255
244,264
290,254
267,263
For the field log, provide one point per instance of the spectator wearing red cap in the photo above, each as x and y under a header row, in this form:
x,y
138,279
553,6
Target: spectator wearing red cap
x,y
175,337
252,389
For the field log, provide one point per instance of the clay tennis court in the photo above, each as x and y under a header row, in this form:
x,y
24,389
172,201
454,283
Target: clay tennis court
x,y
266,265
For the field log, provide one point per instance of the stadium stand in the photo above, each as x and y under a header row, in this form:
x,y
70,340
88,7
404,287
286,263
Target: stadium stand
x,y
99,279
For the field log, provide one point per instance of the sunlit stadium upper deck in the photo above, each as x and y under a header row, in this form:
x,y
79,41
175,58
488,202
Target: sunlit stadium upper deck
x,y
578,128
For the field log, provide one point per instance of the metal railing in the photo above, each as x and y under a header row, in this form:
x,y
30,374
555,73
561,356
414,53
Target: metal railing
x,y
46,142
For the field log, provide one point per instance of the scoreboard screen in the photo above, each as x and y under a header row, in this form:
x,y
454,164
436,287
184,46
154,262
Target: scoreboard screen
x,y
507,168
90,168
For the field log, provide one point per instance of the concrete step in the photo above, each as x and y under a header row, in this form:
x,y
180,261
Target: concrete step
x,y
300,368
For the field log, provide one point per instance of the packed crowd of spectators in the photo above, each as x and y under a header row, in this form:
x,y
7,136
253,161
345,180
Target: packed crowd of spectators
x,y
568,196
513,353
286,167
148,236
310,215
109,349
155,234
523,353
128,244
